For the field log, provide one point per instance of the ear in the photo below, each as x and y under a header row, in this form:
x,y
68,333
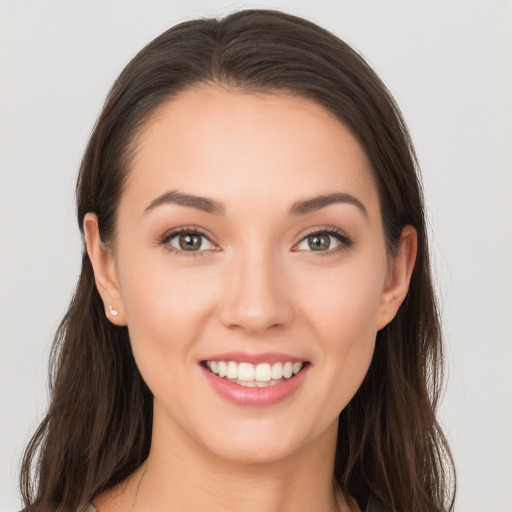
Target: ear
x,y
105,273
398,277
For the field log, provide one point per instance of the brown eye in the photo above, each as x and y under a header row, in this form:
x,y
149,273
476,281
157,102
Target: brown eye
x,y
190,242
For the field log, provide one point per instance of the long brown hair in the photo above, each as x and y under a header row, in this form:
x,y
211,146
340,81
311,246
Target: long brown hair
x,y
98,427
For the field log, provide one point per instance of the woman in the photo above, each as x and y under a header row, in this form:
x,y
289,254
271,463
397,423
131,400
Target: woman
x,y
254,325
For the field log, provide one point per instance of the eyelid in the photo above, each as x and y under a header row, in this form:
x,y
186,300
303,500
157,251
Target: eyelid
x,y
345,241
171,233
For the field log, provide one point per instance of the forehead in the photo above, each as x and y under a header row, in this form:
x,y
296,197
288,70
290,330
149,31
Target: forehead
x,y
235,145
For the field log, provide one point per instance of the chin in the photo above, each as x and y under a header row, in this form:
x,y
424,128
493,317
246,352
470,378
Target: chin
x,y
268,443
255,451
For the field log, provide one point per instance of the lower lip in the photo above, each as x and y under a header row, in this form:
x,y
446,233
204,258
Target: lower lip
x,y
255,397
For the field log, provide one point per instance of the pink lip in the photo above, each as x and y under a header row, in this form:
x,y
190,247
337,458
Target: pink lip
x,y
245,357
255,397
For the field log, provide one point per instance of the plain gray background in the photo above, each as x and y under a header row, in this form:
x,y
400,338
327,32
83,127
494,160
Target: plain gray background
x,y
448,64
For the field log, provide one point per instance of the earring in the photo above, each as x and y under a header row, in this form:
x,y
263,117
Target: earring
x,y
113,312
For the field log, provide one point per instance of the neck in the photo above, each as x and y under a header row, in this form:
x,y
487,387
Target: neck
x,y
181,475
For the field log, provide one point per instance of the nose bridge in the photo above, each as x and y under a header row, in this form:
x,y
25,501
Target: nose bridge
x,y
255,297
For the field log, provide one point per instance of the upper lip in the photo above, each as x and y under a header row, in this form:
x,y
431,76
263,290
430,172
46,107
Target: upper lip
x,y
264,357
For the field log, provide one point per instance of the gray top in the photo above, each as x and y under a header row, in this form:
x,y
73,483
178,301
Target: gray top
x,y
374,505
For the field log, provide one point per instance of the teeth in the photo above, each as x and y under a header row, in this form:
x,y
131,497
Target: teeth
x,y
222,368
262,372
232,370
245,372
249,375
277,371
254,384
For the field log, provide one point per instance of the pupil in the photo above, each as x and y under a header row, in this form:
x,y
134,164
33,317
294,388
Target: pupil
x,y
319,242
190,242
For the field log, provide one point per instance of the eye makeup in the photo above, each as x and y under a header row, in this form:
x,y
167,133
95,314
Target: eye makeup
x,y
318,239
193,241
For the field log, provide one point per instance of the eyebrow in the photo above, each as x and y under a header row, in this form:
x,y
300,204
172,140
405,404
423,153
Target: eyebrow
x,y
199,203
319,202
208,205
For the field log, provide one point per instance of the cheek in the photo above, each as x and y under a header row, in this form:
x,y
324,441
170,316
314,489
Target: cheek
x,y
165,307
347,330
342,309
344,302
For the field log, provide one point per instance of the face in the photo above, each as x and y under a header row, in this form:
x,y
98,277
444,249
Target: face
x,y
250,267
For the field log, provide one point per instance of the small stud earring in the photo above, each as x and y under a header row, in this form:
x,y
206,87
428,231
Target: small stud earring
x,y
113,312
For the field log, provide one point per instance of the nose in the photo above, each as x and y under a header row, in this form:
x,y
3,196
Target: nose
x,y
256,298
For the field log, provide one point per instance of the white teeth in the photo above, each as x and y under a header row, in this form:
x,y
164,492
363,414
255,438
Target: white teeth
x,y
246,372
262,373
222,368
254,384
277,371
232,371
249,375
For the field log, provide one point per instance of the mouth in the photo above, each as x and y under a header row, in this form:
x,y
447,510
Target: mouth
x,y
251,375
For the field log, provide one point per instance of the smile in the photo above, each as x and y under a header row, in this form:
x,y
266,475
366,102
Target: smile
x,y
255,380
254,375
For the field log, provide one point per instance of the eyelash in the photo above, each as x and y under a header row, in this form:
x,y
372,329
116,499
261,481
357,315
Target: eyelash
x,y
345,241
169,235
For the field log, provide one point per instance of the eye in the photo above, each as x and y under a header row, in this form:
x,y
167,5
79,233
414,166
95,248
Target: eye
x,y
188,241
318,242
324,241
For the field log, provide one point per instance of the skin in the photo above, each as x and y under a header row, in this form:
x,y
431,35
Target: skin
x,y
255,286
